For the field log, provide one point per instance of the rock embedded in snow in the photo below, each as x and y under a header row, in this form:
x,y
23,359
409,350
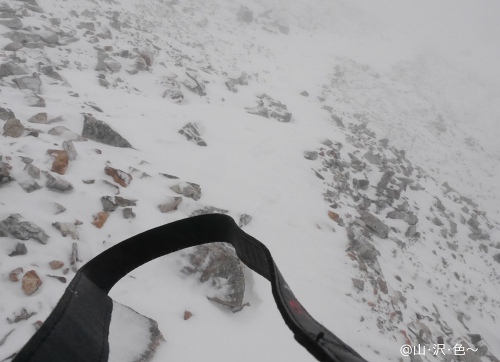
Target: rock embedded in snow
x,y
6,114
19,250
31,282
100,219
57,184
217,264
70,149
34,100
99,131
23,230
188,189
170,204
13,128
173,90
128,213
14,274
14,23
56,264
120,177
32,83
358,284
13,46
208,210
39,118
310,155
61,161
108,204
67,228
375,225
191,132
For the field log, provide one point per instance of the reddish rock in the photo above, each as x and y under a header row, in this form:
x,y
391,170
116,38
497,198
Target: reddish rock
x,y
332,215
31,282
61,161
56,264
100,219
14,274
187,315
120,177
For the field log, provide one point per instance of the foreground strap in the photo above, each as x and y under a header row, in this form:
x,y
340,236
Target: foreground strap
x,y
77,329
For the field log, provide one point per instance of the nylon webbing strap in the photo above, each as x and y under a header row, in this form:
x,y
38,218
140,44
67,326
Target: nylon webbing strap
x,y
77,329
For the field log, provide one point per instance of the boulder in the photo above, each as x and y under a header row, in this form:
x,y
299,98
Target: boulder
x,y
12,68
13,23
32,83
108,204
23,230
70,149
31,282
40,118
173,90
217,265
6,114
99,131
128,213
13,128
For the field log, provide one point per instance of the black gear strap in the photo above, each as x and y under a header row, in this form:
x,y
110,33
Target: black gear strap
x,y
77,329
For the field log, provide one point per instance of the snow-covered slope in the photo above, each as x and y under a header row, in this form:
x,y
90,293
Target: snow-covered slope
x,y
362,152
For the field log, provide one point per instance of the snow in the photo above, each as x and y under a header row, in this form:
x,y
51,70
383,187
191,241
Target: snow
x,y
397,66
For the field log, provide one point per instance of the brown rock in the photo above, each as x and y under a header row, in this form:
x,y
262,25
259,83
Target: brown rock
x,y
14,274
13,128
120,177
31,282
187,315
39,118
100,219
56,264
61,161
332,215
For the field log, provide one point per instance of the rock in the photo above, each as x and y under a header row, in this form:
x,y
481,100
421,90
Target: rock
x,y
13,23
374,159
70,149
22,316
14,274
411,232
59,208
497,258
232,82
269,107
452,246
120,177
194,84
171,204
31,282
5,177
188,189
30,186
245,219
56,264
13,46
6,114
245,15
61,161
375,225
436,221
100,219
65,133
187,315
120,201
304,93
410,218
12,68
190,131
360,184
100,132
49,71
361,245
217,264
208,210
67,228
13,128
32,83
358,284
472,222
108,204
23,230
310,155
333,215
101,57
39,118
57,184
128,213
385,180
34,100
19,250
49,36
173,90
74,257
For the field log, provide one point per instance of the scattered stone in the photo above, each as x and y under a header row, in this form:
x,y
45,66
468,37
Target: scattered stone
x,y
171,204
217,264
268,107
128,213
13,128
436,221
411,232
6,114
386,178
304,93
61,161
173,90
57,184
23,230
472,222
410,218
67,228
358,284
66,133
310,155
56,264
232,82
497,258
100,219
5,177
375,225
34,100
120,177
360,184
40,118
108,204
333,215
190,131
22,316
169,176
13,23
120,201
374,159
187,315
194,84
32,170
32,83
14,274
70,149
74,257
19,250
61,279
59,208
208,210
245,219
115,187
361,245
89,182
49,71
100,132
13,47
31,282
12,68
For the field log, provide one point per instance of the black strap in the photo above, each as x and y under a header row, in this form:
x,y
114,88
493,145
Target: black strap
x,y
77,329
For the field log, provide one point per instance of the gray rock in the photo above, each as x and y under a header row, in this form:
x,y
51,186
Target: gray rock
x,y
128,213
386,178
67,228
173,90
13,128
32,83
5,177
497,258
23,230
13,46
218,266
436,221
360,184
395,215
453,227
65,133
57,184
12,68
410,218
310,155
194,84
192,190
170,204
22,37
122,202
358,284
34,100
30,187
361,245
190,131
49,71
6,114
40,118
472,222
108,204
208,210
375,225
245,219
70,149
411,232
19,250
100,132
232,82
374,159
32,170
59,209
245,15
101,57
49,37
13,23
